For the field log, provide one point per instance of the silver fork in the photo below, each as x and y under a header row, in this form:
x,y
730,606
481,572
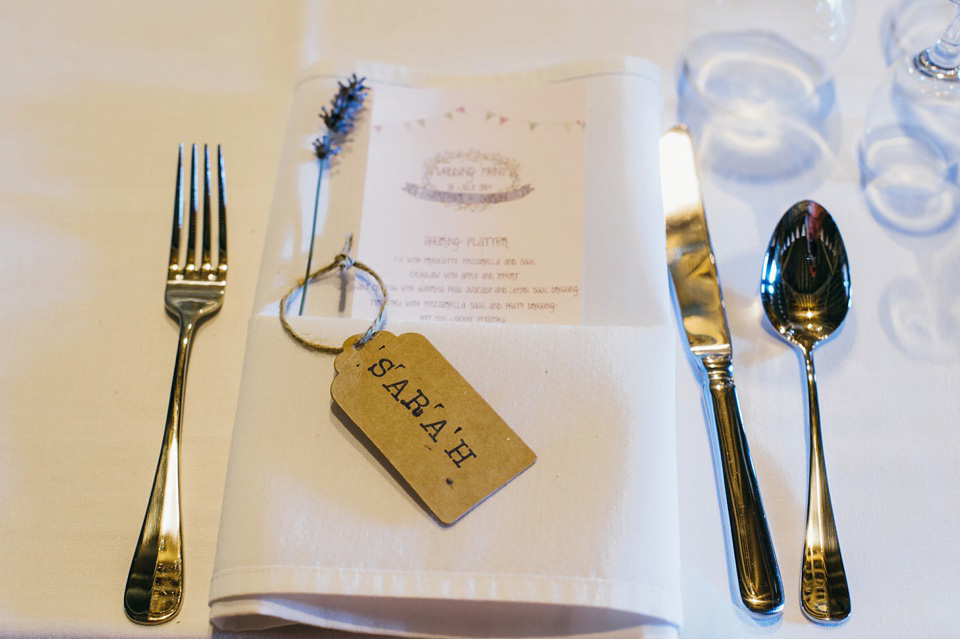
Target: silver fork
x,y
154,589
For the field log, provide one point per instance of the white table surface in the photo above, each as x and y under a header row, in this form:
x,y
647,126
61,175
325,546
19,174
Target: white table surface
x,y
95,97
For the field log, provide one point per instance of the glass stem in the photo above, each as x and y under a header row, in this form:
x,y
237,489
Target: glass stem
x,y
946,52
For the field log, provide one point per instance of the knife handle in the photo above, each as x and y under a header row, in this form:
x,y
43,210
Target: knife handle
x,y
756,562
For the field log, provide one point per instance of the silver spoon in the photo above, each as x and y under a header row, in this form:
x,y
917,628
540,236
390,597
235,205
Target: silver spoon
x,y
805,286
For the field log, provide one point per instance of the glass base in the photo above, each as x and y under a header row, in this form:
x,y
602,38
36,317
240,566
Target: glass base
x,y
929,68
908,180
751,74
770,153
922,315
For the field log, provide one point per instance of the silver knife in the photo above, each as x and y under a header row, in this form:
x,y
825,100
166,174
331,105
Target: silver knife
x,y
693,271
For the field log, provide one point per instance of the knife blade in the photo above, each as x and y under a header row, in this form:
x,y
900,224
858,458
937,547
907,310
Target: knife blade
x,y
693,271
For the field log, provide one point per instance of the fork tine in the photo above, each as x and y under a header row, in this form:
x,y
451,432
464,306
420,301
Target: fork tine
x,y
191,266
174,265
206,265
222,214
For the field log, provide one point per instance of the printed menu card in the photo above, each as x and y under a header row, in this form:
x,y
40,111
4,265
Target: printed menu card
x,y
473,206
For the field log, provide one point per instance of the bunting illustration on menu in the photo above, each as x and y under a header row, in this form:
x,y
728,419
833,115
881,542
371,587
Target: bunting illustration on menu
x,y
339,121
495,117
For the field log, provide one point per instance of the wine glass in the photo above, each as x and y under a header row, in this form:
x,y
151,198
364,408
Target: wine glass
x,y
910,147
751,82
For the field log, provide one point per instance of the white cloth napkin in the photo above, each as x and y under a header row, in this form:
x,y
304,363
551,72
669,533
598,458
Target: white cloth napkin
x,y
315,531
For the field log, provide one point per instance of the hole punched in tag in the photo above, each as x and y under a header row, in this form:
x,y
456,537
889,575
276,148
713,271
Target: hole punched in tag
x,y
430,425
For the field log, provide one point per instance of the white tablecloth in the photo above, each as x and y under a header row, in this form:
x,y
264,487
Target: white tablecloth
x,y
94,98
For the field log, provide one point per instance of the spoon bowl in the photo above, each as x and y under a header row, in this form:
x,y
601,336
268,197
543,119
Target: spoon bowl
x,y
805,287
805,284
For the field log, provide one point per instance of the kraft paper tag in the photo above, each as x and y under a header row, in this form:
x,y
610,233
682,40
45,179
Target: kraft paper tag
x,y
437,432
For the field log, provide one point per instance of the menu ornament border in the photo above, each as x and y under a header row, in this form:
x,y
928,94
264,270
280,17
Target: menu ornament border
x,y
474,180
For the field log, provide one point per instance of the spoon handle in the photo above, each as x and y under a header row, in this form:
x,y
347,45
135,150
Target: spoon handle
x,y
823,581
756,563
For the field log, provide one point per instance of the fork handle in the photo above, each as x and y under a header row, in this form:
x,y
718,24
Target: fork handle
x,y
758,575
154,589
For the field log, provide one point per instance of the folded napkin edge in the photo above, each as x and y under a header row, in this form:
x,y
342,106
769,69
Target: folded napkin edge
x,y
321,583
419,77
241,614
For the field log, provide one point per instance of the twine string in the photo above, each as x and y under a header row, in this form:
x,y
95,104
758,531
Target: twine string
x,y
343,261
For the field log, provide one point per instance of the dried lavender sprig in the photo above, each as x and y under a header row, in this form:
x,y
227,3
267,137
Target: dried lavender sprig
x,y
339,121
341,116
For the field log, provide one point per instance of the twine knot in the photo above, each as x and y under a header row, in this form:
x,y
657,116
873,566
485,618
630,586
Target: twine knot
x,y
344,262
